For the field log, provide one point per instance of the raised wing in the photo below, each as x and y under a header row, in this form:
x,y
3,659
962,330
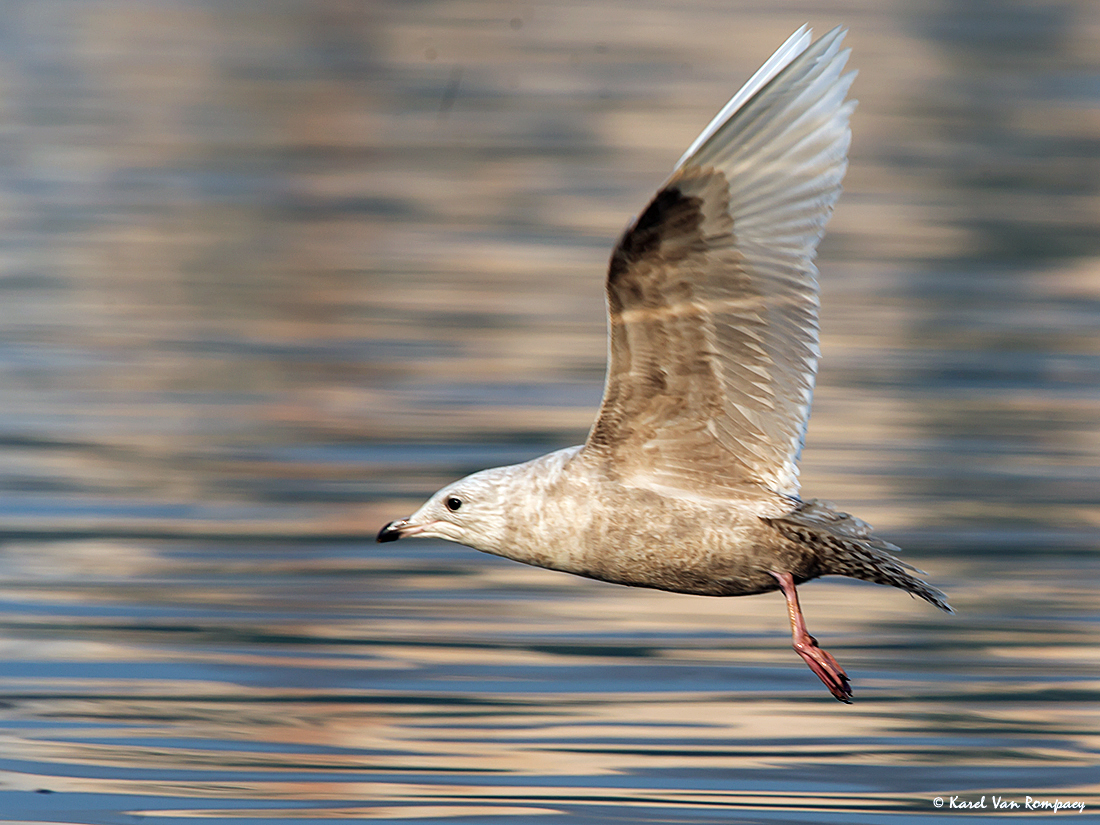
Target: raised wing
x,y
712,292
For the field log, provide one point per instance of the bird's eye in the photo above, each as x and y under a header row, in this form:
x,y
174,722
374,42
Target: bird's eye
x,y
453,503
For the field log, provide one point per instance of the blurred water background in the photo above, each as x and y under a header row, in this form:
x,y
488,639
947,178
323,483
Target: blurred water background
x,y
273,271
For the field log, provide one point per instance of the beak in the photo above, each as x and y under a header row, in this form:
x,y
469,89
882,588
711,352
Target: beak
x,y
395,530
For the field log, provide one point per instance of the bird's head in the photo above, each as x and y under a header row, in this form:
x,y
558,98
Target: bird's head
x,y
471,511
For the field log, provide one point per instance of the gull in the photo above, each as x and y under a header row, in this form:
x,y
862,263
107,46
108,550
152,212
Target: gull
x,y
688,480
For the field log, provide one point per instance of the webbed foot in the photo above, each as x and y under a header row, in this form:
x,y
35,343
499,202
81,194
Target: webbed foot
x,y
805,645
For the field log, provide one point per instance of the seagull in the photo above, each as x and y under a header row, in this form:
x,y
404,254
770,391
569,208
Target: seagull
x,y
688,480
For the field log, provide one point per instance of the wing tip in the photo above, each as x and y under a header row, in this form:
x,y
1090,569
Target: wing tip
x,y
799,47
791,49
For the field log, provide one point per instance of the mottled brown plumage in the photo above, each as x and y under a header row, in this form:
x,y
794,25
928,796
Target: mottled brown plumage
x,y
688,480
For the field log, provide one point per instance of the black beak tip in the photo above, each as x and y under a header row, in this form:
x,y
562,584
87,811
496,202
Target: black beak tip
x,y
389,532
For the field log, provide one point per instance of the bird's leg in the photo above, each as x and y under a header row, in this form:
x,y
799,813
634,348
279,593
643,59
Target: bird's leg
x,y
805,645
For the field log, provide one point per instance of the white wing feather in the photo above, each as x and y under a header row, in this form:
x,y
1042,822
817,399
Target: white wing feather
x,y
792,48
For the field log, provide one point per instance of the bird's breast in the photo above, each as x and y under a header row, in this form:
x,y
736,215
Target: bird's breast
x,y
642,538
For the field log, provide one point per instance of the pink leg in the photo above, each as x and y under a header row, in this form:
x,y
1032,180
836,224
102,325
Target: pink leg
x,y
805,645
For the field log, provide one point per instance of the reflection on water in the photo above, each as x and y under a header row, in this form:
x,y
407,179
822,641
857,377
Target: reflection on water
x,y
273,272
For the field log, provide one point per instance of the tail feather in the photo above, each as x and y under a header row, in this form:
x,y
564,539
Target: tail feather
x,y
848,547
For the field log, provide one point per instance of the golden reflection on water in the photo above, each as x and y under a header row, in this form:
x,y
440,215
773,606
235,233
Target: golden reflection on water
x,y
584,736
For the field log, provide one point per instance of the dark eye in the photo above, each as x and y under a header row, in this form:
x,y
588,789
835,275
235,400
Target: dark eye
x,y
453,503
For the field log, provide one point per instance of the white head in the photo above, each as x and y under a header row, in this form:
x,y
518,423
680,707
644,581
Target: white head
x,y
471,511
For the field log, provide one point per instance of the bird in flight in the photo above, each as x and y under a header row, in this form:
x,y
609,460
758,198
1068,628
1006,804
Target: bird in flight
x,y
688,480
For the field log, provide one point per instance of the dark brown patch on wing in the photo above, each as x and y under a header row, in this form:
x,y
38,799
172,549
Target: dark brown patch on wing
x,y
671,214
